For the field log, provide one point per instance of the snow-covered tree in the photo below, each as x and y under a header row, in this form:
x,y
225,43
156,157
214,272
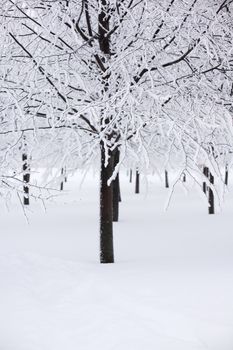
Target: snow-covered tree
x,y
141,79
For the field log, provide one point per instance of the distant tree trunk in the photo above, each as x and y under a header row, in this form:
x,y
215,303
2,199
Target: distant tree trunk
x,y
137,182
62,179
226,175
26,178
206,173
166,179
65,174
130,175
116,188
211,195
208,190
106,209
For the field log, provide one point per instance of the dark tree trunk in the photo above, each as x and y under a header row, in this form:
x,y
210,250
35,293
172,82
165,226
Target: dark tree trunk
x,y
137,182
119,197
116,188
106,192
61,186
166,179
106,212
206,173
62,179
208,190
130,175
211,195
116,196
26,179
226,175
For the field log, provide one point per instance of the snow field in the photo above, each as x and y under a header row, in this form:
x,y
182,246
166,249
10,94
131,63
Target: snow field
x,y
170,289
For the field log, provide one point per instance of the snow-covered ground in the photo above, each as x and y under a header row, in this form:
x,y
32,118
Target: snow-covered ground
x,y
171,287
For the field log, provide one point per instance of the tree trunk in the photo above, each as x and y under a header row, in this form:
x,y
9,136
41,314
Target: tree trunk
x,y
106,212
206,173
119,197
65,174
26,178
106,192
211,195
116,188
130,175
226,175
166,179
137,182
62,179
116,196
208,190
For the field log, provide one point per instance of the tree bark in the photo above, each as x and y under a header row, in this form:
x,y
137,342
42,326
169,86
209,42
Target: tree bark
x,y
119,197
137,182
106,212
206,173
211,194
106,193
166,179
130,175
26,178
208,190
62,179
65,174
116,188
226,175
